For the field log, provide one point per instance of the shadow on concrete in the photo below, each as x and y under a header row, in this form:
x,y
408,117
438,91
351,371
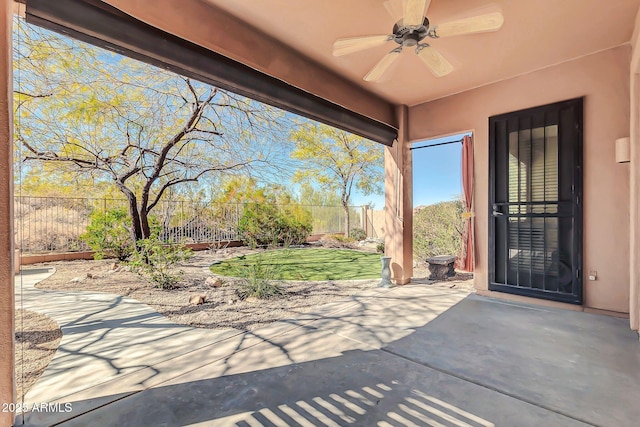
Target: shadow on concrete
x,y
479,363
33,271
359,387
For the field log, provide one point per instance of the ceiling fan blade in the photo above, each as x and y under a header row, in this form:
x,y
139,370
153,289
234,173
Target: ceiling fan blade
x,y
376,72
394,8
355,44
414,12
437,63
475,24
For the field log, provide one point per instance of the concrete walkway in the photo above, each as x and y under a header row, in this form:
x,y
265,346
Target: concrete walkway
x,y
412,355
103,336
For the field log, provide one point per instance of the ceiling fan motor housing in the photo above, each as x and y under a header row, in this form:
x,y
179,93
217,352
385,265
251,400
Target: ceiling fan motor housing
x,y
409,36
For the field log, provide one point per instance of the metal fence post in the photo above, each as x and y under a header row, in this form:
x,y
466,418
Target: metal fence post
x,y
365,223
104,214
236,222
182,229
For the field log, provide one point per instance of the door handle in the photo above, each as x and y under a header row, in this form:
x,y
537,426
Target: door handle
x,y
496,211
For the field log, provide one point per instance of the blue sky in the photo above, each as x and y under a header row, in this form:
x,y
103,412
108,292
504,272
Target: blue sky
x,y
437,174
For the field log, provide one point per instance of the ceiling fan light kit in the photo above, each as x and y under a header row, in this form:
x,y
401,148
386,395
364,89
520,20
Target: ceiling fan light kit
x,y
410,32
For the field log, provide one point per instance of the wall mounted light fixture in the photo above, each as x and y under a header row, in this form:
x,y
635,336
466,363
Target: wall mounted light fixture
x,y
623,150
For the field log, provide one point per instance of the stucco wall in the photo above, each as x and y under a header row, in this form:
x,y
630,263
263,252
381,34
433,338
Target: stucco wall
x,y
603,79
634,190
398,203
7,383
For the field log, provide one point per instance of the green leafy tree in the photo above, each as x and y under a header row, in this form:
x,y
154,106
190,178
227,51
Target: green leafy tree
x,y
50,180
318,196
243,189
338,161
141,128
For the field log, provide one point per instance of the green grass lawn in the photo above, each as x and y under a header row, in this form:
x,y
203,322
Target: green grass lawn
x,y
305,264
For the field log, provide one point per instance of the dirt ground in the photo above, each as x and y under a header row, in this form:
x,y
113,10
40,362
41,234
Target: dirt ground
x,y
37,340
222,308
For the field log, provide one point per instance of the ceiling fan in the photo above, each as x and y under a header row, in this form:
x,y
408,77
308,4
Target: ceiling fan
x,y
410,32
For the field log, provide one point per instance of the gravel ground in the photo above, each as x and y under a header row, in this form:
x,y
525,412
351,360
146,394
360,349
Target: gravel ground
x,y
36,343
39,337
222,308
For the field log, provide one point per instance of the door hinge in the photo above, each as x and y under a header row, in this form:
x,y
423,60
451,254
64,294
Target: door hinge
x,y
578,273
578,200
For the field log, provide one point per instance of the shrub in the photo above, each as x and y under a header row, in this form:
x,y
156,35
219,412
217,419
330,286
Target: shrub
x,y
295,225
358,234
265,224
437,229
259,224
156,262
107,234
259,282
380,247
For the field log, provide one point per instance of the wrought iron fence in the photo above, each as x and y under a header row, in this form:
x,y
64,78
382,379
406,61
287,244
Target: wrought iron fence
x,y
56,224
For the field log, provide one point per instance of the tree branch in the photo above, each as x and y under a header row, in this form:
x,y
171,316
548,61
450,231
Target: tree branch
x,y
193,179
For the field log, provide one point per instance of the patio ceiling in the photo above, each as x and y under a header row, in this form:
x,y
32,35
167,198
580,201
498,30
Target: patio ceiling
x,y
291,44
536,34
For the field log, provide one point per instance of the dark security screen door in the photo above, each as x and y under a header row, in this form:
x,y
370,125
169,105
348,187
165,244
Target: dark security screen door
x,y
535,218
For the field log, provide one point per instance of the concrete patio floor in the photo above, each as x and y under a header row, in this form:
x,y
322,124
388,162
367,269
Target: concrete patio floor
x,y
411,355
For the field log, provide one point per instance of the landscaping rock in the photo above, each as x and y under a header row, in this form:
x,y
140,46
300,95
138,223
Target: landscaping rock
x,y
213,282
197,299
114,267
78,279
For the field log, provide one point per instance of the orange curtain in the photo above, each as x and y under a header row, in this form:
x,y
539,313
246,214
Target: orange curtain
x,y
468,259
